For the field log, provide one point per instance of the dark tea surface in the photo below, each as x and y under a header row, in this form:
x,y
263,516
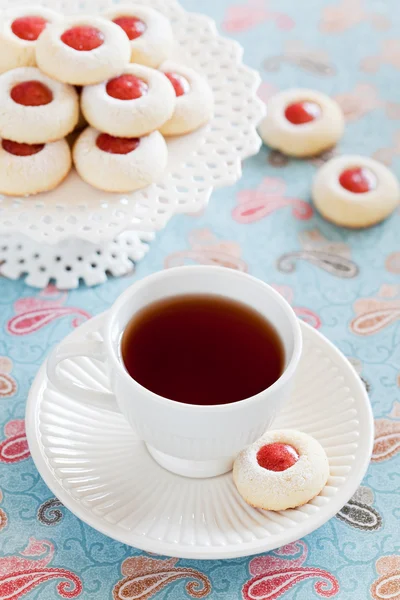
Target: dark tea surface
x,y
202,349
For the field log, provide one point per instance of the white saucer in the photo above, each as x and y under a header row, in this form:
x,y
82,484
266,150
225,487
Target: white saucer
x,y
93,462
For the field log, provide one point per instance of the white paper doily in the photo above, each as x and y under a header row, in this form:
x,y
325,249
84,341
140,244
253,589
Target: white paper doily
x,y
198,162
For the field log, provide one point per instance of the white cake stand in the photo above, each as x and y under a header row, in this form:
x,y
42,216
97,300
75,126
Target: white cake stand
x,y
60,235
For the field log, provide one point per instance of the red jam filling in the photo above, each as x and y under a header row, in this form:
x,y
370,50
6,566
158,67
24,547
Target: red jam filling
x,y
31,93
181,85
116,145
132,26
21,149
28,28
358,180
300,113
126,87
83,38
277,456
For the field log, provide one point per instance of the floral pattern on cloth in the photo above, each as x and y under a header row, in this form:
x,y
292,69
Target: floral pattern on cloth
x,y
344,283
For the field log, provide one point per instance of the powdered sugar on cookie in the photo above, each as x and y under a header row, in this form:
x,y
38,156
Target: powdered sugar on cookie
x,y
287,488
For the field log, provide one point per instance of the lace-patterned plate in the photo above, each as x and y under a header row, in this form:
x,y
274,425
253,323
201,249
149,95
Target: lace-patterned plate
x,y
71,261
94,464
198,162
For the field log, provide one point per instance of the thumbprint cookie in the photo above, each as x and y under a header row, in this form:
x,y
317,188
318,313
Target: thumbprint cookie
x,y
194,99
35,109
149,33
355,191
27,169
302,122
282,469
134,103
82,50
19,30
119,164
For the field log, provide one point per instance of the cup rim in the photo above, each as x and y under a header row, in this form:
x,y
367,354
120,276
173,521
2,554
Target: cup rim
x,y
213,408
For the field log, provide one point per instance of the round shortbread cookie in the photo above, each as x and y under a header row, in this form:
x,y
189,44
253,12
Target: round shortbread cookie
x,y
295,469
35,109
119,164
355,191
27,169
19,29
142,101
82,50
302,122
194,99
149,33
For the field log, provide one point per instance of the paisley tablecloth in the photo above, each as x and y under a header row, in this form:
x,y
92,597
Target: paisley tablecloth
x,y
347,284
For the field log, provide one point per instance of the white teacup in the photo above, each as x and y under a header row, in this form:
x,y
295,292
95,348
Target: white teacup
x,y
188,439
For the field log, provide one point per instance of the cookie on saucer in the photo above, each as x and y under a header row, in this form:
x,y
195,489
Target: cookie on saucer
x,y
149,33
194,99
282,469
355,191
134,103
82,50
119,164
27,169
35,109
302,122
19,29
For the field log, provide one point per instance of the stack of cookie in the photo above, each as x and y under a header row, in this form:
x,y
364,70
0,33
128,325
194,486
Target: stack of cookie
x,y
131,97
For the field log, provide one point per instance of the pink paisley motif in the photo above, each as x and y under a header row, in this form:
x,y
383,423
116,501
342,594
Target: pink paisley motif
x,y
348,13
275,584
305,314
3,516
254,205
15,447
387,587
308,316
19,576
387,440
34,312
388,55
269,563
360,101
207,249
33,320
145,577
205,257
374,315
8,385
392,263
274,574
243,17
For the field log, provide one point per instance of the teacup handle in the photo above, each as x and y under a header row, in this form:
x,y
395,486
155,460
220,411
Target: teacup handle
x,y
91,349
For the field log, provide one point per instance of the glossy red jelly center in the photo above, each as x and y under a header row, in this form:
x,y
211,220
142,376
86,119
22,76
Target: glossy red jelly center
x,y
83,38
116,145
358,180
28,28
21,149
126,87
132,26
181,85
300,113
31,93
277,456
